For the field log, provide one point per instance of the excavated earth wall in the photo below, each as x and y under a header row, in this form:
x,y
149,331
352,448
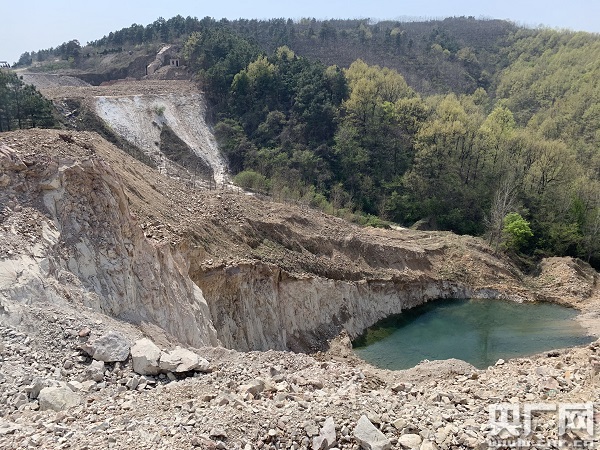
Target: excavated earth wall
x,y
84,223
68,235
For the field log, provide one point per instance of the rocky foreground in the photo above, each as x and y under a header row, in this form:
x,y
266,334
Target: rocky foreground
x,y
53,394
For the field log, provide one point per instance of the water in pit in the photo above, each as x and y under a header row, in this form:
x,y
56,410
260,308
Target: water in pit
x,y
477,331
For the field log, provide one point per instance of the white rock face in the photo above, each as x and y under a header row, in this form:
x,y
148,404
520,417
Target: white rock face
x,y
369,437
91,249
57,398
145,356
261,307
134,119
111,347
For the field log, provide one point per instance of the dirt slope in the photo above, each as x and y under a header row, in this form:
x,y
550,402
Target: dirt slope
x,y
137,111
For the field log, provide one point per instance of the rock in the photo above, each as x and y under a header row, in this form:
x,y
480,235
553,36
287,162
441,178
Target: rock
x,y
218,433
428,445
255,387
57,398
88,385
311,428
110,347
500,362
317,384
84,332
95,371
145,356
34,389
182,360
74,385
551,384
399,424
410,440
369,437
327,438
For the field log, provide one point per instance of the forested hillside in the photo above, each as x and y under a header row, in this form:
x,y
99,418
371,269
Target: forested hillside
x,y
478,127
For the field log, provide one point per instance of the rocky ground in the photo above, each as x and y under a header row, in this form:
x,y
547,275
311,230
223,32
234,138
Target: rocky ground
x,y
268,400
60,190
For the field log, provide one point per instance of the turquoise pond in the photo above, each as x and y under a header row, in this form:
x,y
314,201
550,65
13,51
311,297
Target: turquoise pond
x,y
477,331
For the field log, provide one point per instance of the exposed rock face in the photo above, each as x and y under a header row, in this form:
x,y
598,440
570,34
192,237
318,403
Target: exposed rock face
x,y
88,225
74,260
85,244
261,307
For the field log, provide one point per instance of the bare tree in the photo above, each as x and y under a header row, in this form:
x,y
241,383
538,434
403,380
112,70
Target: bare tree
x,y
502,204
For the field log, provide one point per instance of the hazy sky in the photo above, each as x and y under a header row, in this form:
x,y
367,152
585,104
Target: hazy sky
x,y
40,24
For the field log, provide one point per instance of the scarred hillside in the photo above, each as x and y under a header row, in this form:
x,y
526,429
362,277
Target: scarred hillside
x,y
92,241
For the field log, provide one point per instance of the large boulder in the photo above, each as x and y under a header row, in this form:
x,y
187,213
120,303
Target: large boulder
x,y
182,360
57,398
110,347
369,437
145,356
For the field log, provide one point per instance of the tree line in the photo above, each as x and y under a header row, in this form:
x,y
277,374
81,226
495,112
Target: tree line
x,y
21,105
477,127
517,163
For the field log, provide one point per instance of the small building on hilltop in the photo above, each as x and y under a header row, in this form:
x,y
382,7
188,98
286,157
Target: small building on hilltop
x,y
168,55
4,65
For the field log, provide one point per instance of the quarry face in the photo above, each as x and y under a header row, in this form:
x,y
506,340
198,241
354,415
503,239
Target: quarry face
x,y
99,252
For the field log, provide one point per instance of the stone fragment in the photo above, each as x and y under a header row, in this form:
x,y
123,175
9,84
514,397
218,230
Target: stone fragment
x,y
327,438
218,433
255,387
57,398
95,371
369,437
410,441
551,384
182,360
84,332
36,386
110,347
145,356
428,445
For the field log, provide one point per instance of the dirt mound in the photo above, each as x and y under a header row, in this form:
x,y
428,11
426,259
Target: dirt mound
x,y
45,81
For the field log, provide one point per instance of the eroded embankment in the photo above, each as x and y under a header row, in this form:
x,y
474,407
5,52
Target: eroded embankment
x,y
144,114
67,235
261,307
84,223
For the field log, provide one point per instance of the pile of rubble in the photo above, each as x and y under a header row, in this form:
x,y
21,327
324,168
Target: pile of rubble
x,y
74,381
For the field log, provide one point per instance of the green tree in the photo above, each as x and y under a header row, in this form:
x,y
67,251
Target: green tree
x,y
516,232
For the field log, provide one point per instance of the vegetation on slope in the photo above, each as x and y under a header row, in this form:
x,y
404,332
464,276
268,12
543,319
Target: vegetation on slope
x,y
21,105
459,122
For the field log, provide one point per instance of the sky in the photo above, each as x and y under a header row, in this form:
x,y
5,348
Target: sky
x,y
39,24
